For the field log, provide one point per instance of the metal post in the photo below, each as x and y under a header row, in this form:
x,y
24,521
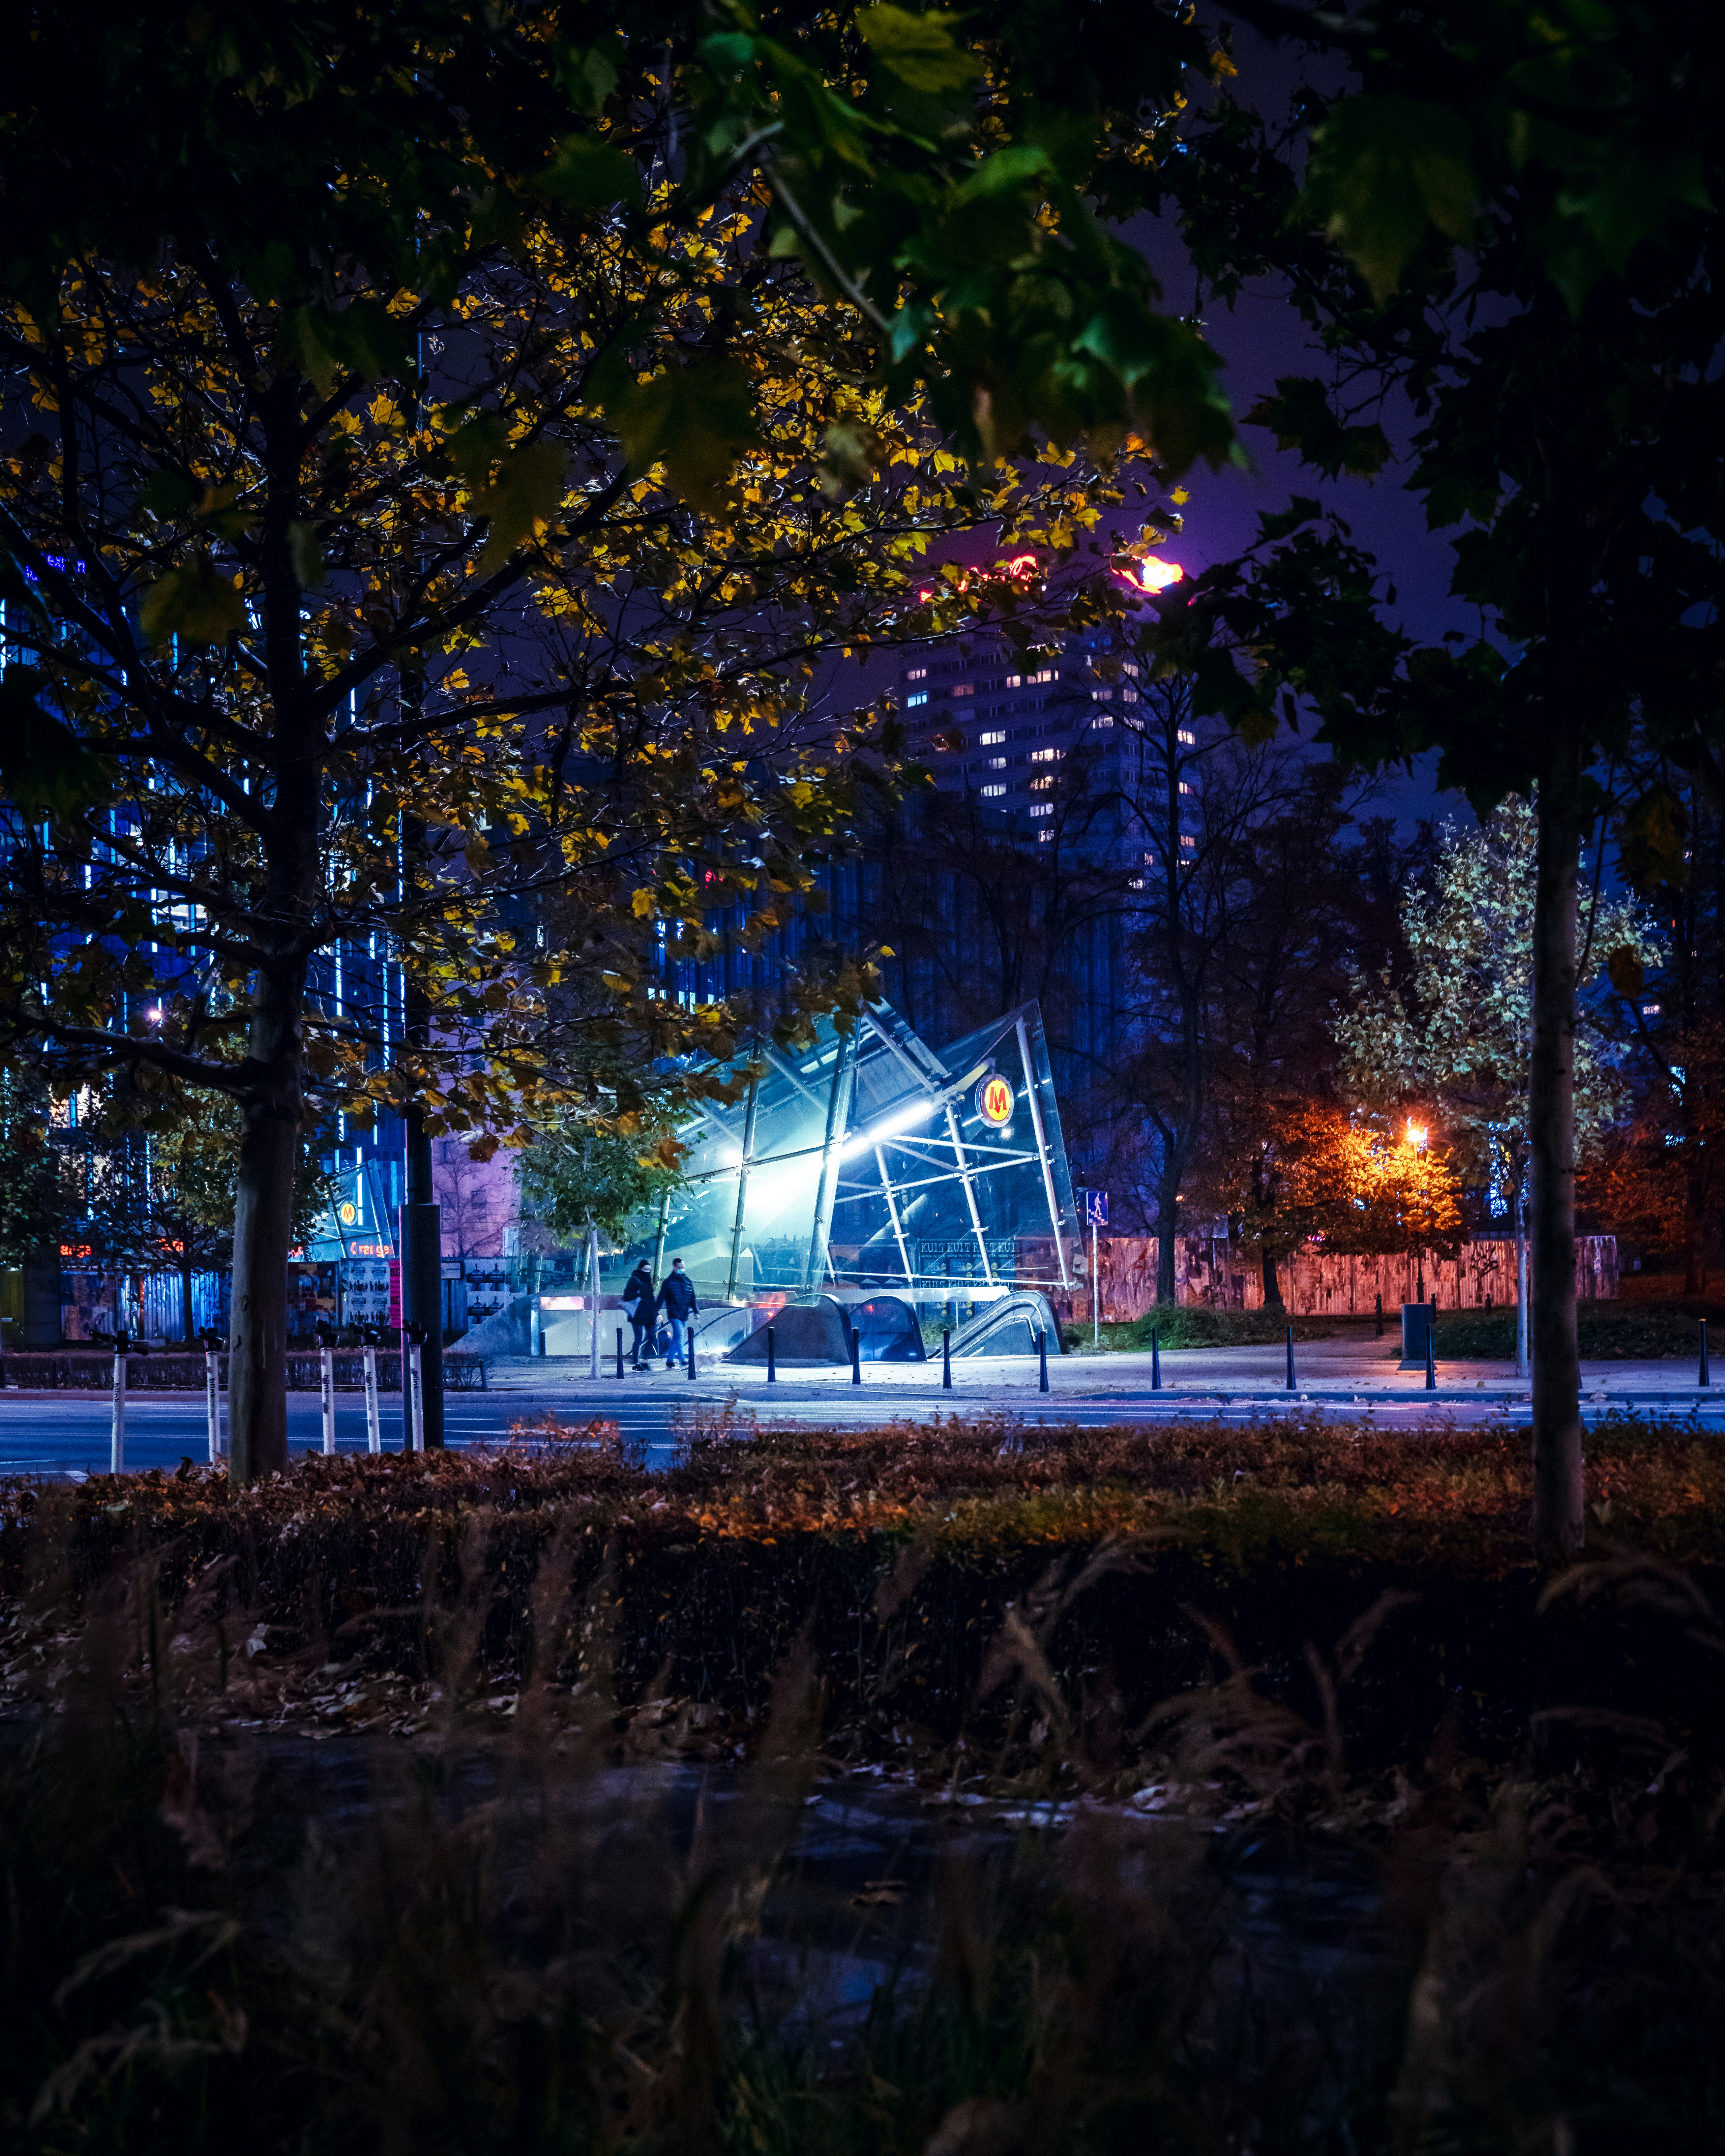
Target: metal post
x,y
212,1404
1047,1188
1156,1358
898,1230
1431,1352
414,1395
743,1183
819,1259
619,1354
855,1355
976,1218
1095,1286
1042,1361
659,1240
689,1334
1379,1334
772,1367
116,1443
327,1381
374,1423
593,1299
1705,1378
946,1358
1290,1358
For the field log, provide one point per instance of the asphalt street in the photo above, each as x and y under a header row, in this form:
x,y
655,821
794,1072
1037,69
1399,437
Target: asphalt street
x,y
67,1434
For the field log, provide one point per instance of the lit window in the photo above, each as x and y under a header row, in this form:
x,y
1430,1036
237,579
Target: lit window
x,y
921,696
1042,808
1041,785
962,689
1014,680
1188,841
992,793
1128,694
997,763
1186,735
1649,1010
1184,788
1047,674
1130,666
1149,860
917,674
1044,837
1102,719
1137,883
988,740
1102,695
1046,755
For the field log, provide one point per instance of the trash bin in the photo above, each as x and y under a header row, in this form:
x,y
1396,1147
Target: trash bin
x,y
1416,1330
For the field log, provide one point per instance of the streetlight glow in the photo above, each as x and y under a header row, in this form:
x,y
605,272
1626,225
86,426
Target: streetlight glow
x,y
1416,1137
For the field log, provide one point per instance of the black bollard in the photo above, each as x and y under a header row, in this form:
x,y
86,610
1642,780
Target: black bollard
x,y
1705,1377
855,1357
946,1358
1290,1358
1155,1359
1380,1317
772,1367
619,1354
691,1354
1042,1356
1431,1352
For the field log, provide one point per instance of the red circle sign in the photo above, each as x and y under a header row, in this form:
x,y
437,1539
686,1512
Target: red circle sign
x,y
994,1100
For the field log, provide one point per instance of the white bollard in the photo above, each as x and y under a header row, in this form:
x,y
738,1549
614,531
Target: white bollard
x,y
327,1374
116,1447
374,1428
415,1387
212,1405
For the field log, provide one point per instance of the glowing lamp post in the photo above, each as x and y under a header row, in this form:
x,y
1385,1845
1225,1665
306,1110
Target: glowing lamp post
x,y
1419,1137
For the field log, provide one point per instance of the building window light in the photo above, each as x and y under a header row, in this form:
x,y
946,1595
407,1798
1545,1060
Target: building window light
x,y
1041,785
917,674
1042,838
964,689
1137,883
992,793
1187,841
1042,808
1184,787
1102,695
988,740
1186,738
1128,694
1649,1010
1046,755
1102,719
997,763
920,697
1130,666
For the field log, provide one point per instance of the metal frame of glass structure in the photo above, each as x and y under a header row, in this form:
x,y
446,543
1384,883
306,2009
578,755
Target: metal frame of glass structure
x,y
870,1159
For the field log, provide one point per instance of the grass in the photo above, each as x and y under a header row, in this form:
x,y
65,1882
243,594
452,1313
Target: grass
x,y
1316,1900
1197,1325
1637,1331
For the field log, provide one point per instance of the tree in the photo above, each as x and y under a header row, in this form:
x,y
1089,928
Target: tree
x,y
31,1205
1562,372
1457,1038
498,416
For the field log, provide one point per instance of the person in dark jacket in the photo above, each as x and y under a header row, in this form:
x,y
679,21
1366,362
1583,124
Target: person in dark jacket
x,y
676,1299
639,1302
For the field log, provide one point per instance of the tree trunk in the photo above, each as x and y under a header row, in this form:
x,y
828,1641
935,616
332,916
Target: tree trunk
x,y
1167,1215
1557,1506
262,1231
1521,1281
1273,1284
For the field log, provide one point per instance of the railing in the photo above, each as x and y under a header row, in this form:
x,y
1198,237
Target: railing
x,y
88,1370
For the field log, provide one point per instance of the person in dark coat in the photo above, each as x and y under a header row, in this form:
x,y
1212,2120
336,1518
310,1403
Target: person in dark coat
x,y
676,1299
639,1302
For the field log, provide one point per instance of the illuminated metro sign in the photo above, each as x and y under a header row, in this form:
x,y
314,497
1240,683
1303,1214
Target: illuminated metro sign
x,y
994,1100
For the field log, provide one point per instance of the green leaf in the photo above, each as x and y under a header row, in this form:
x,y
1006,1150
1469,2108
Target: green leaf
x,y
695,420
920,49
196,602
526,492
587,76
306,554
166,494
44,768
1384,171
1300,416
591,175
472,453
365,339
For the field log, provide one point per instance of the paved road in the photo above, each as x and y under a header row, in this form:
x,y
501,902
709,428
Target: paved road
x,y
60,1433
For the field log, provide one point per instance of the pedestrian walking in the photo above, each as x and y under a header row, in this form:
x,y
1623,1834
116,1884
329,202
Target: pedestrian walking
x,y
639,1303
676,1299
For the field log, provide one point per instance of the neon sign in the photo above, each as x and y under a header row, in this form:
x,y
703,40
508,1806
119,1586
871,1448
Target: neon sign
x,y
994,1100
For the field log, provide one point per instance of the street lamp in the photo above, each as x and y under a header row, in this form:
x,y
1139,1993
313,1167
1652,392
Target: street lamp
x,y
1419,1136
